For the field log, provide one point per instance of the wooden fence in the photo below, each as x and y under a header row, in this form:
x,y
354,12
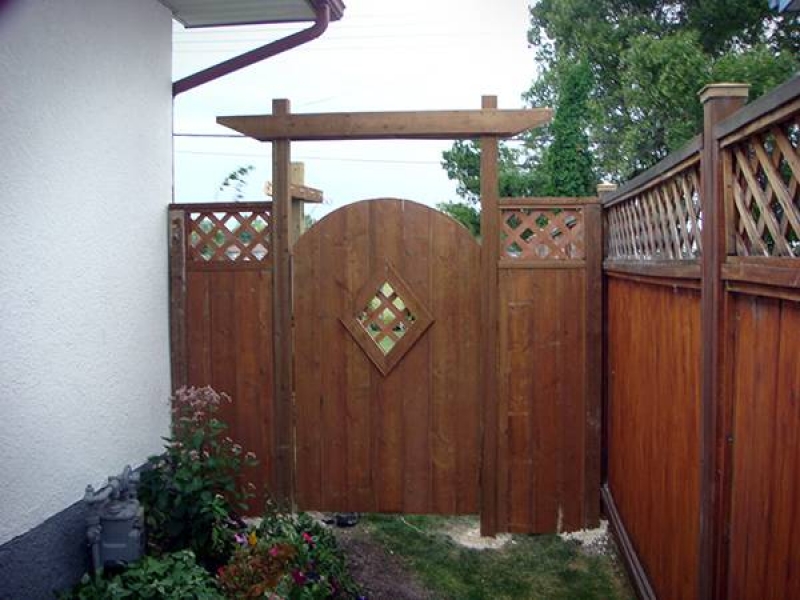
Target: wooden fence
x,y
390,362
702,357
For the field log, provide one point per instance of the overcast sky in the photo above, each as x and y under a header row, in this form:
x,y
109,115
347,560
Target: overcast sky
x,y
382,55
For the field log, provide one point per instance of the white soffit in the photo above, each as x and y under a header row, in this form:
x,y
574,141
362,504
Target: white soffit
x,y
216,13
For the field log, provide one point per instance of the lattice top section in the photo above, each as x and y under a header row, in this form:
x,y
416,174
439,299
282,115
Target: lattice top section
x,y
662,222
762,172
542,234
228,236
386,318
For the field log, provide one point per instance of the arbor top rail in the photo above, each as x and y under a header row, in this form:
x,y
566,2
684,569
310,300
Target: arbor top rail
x,y
420,125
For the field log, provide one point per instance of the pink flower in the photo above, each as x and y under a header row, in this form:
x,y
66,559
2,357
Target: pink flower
x,y
308,538
299,577
273,551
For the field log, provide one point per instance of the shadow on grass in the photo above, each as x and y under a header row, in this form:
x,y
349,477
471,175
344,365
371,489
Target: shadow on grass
x,y
529,567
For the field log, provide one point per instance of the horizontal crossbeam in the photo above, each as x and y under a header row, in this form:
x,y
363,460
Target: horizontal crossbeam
x,y
424,125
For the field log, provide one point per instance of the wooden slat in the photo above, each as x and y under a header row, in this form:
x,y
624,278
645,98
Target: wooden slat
x,y
177,298
593,363
718,104
654,427
651,268
283,417
491,490
430,125
766,453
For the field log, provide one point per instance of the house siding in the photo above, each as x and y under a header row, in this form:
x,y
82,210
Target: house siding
x,y
85,177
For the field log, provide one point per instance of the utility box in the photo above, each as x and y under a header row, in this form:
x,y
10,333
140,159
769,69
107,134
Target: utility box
x,y
115,526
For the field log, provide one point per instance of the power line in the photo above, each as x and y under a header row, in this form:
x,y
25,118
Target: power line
x,y
323,158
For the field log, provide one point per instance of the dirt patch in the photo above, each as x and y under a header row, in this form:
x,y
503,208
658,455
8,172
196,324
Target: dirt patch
x,y
381,574
466,532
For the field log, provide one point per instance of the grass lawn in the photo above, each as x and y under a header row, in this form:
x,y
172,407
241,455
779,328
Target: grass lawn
x,y
542,567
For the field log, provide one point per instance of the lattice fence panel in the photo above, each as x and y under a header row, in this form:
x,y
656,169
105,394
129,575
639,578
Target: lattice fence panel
x,y
763,171
662,222
542,234
229,236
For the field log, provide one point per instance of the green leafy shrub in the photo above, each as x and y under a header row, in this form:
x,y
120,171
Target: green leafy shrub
x,y
169,577
190,493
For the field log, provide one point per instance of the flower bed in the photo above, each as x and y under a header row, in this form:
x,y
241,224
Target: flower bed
x,y
198,546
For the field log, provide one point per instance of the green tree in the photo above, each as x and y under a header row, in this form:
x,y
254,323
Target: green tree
x,y
515,177
464,213
648,60
566,168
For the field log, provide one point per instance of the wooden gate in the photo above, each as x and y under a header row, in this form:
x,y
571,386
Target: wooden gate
x,y
387,388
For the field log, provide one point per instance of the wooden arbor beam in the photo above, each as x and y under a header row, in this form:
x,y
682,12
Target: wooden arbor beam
x,y
425,125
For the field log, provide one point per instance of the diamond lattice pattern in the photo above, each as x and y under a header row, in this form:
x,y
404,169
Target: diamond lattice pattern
x,y
386,318
765,171
662,222
229,236
536,234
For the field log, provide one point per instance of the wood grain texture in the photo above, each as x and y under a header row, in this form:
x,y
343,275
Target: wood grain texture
x,y
229,347
653,357
765,494
407,441
428,125
543,411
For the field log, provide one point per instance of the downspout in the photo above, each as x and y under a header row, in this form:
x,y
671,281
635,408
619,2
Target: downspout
x,y
323,12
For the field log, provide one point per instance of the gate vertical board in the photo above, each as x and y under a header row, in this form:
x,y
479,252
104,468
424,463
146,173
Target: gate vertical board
x,y
406,440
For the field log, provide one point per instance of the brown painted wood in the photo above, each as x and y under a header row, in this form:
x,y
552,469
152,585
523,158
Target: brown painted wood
x,y
282,487
664,269
404,441
427,125
593,225
177,298
764,521
716,107
229,342
636,571
654,427
493,469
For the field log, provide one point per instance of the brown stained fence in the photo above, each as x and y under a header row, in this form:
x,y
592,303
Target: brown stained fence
x,y
702,285
390,362
549,363
221,294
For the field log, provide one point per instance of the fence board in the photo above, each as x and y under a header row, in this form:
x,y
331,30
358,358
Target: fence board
x,y
654,427
766,451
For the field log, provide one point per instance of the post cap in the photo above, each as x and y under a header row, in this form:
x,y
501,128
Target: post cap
x,y
723,90
606,187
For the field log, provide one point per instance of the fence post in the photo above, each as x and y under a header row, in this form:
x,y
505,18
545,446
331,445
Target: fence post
x,y
490,232
719,101
177,298
603,190
283,412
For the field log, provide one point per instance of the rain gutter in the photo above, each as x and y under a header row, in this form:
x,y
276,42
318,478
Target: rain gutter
x,y
323,16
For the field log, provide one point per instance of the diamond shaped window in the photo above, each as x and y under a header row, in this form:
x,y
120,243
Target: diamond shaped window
x,y
387,319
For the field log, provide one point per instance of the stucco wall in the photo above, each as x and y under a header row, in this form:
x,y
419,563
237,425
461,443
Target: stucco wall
x,y
85,176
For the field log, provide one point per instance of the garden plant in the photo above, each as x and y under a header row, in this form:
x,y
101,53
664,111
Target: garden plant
x,y
199,546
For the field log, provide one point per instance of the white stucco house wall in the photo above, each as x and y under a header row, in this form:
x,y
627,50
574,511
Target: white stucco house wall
x,y
85,127
85,181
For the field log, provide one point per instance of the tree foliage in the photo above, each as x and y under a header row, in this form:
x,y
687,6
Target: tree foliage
x,y
566,167
464,213
649,58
